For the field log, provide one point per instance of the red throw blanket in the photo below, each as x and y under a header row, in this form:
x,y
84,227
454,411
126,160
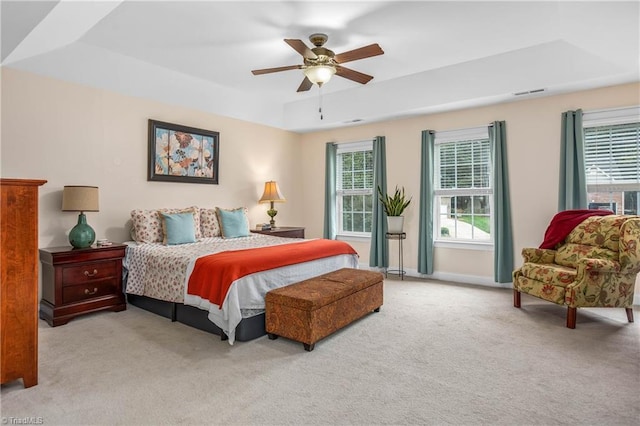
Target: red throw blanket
x,y
564,222
213,275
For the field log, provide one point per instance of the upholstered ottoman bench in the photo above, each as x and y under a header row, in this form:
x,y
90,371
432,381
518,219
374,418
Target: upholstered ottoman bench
x,y
313,309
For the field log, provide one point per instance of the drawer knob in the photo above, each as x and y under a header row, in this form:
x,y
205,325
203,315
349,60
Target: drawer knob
x,y
95,290
91,274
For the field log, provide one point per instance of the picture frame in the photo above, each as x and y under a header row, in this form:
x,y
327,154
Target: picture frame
x,y
182,154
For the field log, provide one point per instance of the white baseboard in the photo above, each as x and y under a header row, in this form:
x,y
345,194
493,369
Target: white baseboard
x,y
445,276
463,279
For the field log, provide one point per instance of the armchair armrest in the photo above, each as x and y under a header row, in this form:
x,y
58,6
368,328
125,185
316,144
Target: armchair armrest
x,y
598,283
538,255
599,265
630,246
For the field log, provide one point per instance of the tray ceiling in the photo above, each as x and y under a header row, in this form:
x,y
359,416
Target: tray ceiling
x,y
438,55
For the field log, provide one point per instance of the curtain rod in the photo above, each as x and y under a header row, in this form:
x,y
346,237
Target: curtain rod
x,y
597,111
355,141
463,129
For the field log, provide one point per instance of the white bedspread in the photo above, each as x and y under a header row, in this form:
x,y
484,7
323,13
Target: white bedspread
x,y
161,272
249,291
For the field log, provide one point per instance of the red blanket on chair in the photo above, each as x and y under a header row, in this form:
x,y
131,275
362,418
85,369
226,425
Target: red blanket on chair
x,y
564,222
213,275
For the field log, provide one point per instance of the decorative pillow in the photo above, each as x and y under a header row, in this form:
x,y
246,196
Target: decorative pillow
x,y
209,224
233,223
178,228
147,225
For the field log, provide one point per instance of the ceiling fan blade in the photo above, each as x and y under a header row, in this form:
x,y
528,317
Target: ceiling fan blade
x,y
277,69
361,53
353,75
305,85
300,47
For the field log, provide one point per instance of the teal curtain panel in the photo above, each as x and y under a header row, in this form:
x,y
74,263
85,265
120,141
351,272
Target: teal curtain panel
x,y
329,231
379,252
425,230
573,176
503,235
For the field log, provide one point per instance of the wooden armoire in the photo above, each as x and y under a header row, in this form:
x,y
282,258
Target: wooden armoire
x,y
19,285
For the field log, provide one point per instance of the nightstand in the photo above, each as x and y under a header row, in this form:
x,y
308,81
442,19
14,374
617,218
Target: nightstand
x,y
79,281
283,231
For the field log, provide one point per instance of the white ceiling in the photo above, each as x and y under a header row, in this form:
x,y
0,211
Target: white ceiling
x,y
438,55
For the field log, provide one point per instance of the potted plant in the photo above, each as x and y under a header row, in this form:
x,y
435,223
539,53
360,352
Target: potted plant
x,y
394,205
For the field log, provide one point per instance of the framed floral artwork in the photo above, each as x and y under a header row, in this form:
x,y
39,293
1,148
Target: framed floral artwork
x,y
182,154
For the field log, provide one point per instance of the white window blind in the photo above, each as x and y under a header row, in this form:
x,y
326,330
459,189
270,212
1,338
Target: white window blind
x,y
355,171
463,161
612,157
465,166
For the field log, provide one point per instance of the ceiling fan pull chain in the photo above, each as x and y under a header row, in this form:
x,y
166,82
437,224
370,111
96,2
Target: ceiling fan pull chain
x,y
320,102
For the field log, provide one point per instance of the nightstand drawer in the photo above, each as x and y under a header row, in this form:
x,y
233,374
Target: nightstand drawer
x,y
88,272
86,291
289,233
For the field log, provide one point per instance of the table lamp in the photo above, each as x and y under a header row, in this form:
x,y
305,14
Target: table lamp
x,y
80,199
272,195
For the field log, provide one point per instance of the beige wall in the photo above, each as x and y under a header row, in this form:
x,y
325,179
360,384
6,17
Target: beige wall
x,y
533,140
75,135
71,134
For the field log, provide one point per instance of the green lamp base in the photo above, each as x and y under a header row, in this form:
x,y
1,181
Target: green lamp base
x,y
272,213
82,235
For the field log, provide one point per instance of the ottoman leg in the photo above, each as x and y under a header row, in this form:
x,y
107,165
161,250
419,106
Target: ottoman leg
x,y
272,336
308,347
377,309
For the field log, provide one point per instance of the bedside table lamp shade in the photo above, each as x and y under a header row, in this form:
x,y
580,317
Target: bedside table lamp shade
x,y
80,199
272,195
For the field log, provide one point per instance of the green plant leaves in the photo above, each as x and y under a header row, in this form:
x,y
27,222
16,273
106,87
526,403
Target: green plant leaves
x,y
396,204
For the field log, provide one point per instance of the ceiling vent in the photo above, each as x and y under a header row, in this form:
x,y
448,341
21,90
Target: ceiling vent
x,y
529,92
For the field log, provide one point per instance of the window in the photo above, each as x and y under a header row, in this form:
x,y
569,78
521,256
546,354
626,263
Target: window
x,y
612,159
463,188
354,190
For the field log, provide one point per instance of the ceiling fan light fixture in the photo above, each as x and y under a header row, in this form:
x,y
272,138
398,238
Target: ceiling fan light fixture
x,y
320,63
319,74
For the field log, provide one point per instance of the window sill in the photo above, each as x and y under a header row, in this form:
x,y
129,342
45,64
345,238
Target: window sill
x,y
354,238
464,245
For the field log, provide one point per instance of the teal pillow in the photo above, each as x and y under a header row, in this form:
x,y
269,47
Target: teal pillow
x,y
233,223
178,228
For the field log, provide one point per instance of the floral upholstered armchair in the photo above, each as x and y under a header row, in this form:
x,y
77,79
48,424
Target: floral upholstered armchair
x,y
595,266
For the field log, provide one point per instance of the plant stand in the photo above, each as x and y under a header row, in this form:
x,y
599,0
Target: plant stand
x,y
399,236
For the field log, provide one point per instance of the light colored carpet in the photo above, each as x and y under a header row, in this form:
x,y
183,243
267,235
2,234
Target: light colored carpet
x,y
436,353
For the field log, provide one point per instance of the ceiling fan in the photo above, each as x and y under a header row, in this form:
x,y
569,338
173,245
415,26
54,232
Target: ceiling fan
x,y
320,63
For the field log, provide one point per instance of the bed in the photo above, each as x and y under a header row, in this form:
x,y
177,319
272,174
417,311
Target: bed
x,y
157,278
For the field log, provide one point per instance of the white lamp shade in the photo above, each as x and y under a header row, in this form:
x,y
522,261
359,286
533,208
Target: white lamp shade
x,y
319,74
80,199
272,193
